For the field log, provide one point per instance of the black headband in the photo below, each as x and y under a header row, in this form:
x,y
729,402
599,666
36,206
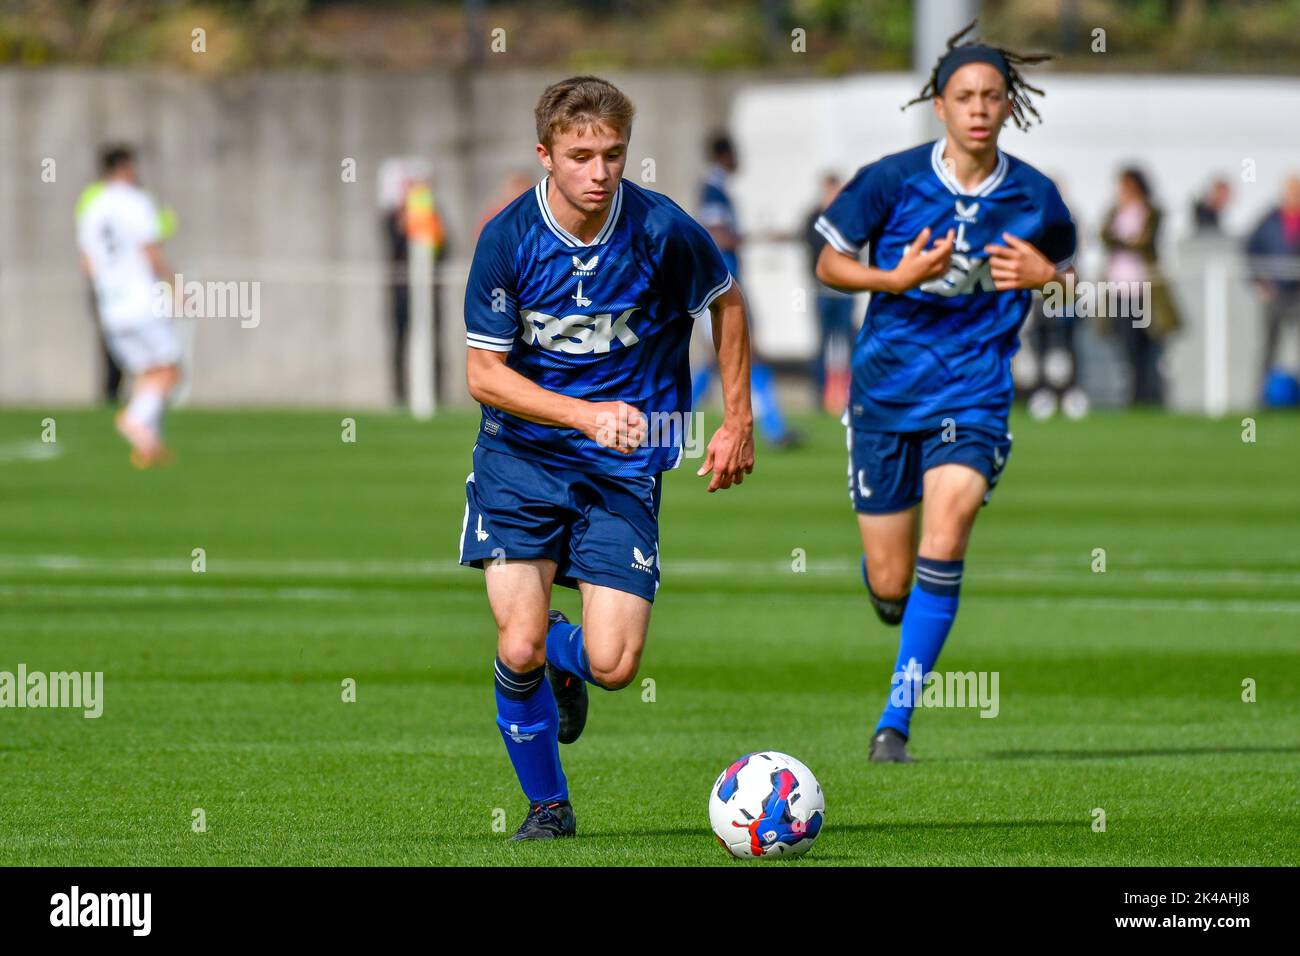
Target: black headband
x,y
958,57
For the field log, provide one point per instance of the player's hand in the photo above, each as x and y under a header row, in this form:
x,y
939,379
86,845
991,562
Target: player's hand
x,y
1018,265
615,425
920,264
730,455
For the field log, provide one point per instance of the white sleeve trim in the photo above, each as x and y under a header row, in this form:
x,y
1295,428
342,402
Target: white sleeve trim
x,y
1065,263
717,290
832,235
490,345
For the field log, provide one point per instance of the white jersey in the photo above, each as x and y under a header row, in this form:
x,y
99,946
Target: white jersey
x,y
113,231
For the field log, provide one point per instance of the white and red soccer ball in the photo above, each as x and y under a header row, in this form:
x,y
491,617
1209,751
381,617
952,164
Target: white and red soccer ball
x,y
766,804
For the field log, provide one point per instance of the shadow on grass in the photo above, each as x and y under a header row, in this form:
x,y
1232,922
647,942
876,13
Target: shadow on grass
x,y
883,826
1140,752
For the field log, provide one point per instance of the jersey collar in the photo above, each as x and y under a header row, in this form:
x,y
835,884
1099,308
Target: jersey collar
x,y
983,189
568,238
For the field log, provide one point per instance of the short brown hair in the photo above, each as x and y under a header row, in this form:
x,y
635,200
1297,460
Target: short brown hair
x,y
582,101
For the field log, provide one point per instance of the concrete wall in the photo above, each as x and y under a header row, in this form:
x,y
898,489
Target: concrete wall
x,y
253,167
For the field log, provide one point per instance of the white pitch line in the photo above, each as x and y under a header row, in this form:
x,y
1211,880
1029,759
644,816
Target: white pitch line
x,y
675,567
138,592
29,451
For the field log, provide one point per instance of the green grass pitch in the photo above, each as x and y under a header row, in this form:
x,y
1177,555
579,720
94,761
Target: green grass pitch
x,y
328,560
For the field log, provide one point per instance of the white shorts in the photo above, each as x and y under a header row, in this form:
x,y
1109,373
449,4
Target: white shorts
x,y
144,347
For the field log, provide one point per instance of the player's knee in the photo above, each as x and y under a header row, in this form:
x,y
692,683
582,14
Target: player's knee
x,y
947,544
889,582
521,651
615,678
944,547
615,673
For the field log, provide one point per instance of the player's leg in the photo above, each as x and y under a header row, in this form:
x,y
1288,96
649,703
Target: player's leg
x,y
131,350
142,419
514,529
885,488
960,472
519,593
888,557
152,353
614,559
614,626
604,650
953,494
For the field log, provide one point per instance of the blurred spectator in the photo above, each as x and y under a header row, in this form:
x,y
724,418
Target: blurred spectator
x,y
1274,249
398,179
718,215
1130,234
831,366
1207,210
1051,358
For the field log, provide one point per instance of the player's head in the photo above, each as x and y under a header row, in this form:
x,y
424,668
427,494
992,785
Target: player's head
x,y
1134,187
832,183
117,162
583,125
722,152
976,88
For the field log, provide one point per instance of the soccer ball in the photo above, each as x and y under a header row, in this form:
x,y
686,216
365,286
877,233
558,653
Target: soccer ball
x,y
766,804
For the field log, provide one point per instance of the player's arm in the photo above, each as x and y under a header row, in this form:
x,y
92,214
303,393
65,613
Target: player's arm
x,y
616,425
730,455
1021,264
918,264
854,220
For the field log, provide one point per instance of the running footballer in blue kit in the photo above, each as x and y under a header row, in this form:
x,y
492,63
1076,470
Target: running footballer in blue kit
x,y
581,299
932,388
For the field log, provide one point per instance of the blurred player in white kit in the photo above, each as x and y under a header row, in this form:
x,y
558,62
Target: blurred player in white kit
x,y
119,232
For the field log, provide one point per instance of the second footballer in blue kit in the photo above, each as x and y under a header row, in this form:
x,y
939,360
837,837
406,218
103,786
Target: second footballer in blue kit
x,y
959,234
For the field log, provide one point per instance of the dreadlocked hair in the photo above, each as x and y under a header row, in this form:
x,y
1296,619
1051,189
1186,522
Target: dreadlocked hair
x,y
1018,88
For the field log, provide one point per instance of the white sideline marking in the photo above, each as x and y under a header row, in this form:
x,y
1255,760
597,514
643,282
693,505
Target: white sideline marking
x,y
343,567
138,592
29,451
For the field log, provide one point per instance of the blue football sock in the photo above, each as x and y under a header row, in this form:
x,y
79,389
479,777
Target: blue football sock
x,y
565,651
926,623
766,409
530,724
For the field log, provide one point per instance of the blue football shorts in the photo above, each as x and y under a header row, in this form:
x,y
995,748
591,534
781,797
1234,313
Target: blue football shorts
x,y
886,469
597,528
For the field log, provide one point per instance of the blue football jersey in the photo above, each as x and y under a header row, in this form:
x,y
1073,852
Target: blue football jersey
x,y
604,321
942,350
